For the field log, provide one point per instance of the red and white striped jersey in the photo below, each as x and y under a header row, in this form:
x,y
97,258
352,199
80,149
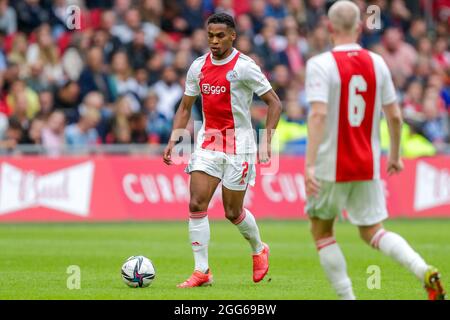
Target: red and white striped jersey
x,y
355,84
226,87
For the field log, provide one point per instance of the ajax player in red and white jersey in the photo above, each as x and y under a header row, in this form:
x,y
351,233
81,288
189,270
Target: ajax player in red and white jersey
x,y
226,150
348,88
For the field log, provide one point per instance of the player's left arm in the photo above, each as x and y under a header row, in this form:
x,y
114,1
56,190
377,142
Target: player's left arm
x,y
394,119
317,118
317,89
258,83
273,116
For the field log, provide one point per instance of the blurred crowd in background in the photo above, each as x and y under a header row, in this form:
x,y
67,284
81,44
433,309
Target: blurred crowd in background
x,y
119,77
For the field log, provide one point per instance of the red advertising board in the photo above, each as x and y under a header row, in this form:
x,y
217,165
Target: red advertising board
x,y
119,188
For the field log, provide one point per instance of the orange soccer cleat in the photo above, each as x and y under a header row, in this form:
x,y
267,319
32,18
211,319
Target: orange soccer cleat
x,y
197,279
261,264
433,284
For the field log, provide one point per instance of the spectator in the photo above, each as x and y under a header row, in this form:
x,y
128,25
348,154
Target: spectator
x,y
120,131
141,76
34,133
29,98
20,112
121,8
417,30
244,26
151,11
36,79
433,127
124,83
296,9
158,126
169,92
314,12
435,81
192,14
199,43
276,9
30,15
57,17
67,98
412,102
122,134
138,127
400,56
423,69
293,52
133,23
155,66
225,6
73,58
8,18
441,54
18,54
46,102
318,41
94,78
400,15
83,134
46,51
281,79
13,136
103,37
95,100
244,44
138,52
424,47
257,15
182,61
266,46
53,133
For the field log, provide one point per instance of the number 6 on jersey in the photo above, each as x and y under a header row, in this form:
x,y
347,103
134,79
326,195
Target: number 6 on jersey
x,y
356,103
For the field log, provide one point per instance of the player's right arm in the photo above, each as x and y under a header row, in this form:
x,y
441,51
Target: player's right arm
x,y
183,114
180,121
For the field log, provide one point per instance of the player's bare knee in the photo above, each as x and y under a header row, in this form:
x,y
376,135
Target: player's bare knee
x,y
319,232
232,213
197,205
367,232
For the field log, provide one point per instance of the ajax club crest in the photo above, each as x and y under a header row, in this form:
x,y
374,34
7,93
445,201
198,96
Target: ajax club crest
x,y
232,76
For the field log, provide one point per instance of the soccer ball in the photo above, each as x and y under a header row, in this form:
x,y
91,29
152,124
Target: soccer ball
x,y
138,271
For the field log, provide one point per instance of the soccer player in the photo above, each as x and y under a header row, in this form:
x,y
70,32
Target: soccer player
x,y
225,151
347,89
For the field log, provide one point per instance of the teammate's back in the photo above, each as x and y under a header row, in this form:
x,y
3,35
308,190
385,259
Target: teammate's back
x,y
354,83
347,89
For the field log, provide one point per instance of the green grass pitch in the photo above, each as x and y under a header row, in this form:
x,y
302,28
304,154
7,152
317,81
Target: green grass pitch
x,y
34,259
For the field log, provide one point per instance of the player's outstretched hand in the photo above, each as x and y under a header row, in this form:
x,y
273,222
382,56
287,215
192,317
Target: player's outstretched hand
x,y
167,156
394,166
312,185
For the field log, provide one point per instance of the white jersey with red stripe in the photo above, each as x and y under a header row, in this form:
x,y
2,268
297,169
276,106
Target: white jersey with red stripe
x,y
355,84
226,87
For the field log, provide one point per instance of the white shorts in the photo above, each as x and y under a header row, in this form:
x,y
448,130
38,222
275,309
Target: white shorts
x,y
235,170
364,202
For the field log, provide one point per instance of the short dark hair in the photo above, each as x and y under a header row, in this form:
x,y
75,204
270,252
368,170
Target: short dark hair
x,y
14,124
222,18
